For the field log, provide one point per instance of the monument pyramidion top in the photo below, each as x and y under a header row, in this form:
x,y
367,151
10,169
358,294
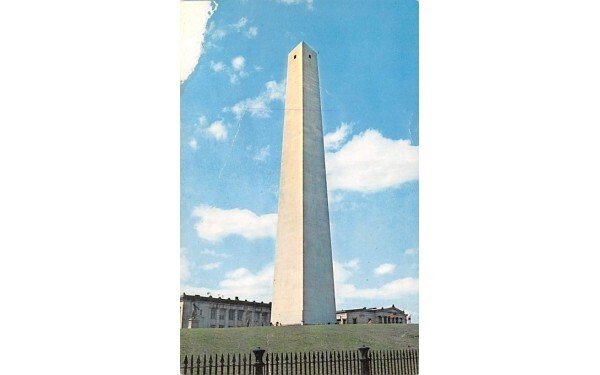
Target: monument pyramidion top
x,y
301,47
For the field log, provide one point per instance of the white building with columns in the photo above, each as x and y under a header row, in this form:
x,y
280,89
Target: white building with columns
x,y
373,315
210,312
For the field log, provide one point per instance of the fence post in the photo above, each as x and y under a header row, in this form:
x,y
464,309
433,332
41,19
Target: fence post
x,y
365,366
185,365
259,364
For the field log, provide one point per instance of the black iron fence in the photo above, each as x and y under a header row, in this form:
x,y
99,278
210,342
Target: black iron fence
x,y
351,362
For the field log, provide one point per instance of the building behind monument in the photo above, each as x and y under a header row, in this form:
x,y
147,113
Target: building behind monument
x,y
211,312
384,315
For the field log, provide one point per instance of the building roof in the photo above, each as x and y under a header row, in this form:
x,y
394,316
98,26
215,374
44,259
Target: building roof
x,y
236,300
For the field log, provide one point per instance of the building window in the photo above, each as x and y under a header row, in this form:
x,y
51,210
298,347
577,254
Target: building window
x,y
221,313
240,314
213,313
231,314
353,320
264,317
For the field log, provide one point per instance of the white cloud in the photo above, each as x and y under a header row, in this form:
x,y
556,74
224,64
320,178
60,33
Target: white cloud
x,y
234,79
202,121
309,2
240,24
343,273
184,264
252,32
259,106
333,198
262,154
241,283
334,140
393,290
217,130
194,16
217,34
410,251
238,63
215,223
211,266
213,253
370,162
193,144
352,264
236,71
384,269
217,67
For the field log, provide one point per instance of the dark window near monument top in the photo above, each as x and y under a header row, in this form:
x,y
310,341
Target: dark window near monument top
x,y
294,56
309,56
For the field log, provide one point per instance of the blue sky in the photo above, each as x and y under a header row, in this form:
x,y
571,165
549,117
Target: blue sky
x,y
231,130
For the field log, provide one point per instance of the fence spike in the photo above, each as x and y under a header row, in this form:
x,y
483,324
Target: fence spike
x,y
387,361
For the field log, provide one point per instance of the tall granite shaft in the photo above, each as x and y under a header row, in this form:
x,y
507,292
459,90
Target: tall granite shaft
x,y
303,284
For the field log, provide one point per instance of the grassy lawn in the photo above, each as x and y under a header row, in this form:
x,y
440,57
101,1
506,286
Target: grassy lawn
x,y
299,338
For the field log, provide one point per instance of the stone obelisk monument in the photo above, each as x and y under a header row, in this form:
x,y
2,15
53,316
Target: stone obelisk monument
x,y
303,285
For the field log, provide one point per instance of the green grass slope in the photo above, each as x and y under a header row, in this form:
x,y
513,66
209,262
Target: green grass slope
x,y
299,338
